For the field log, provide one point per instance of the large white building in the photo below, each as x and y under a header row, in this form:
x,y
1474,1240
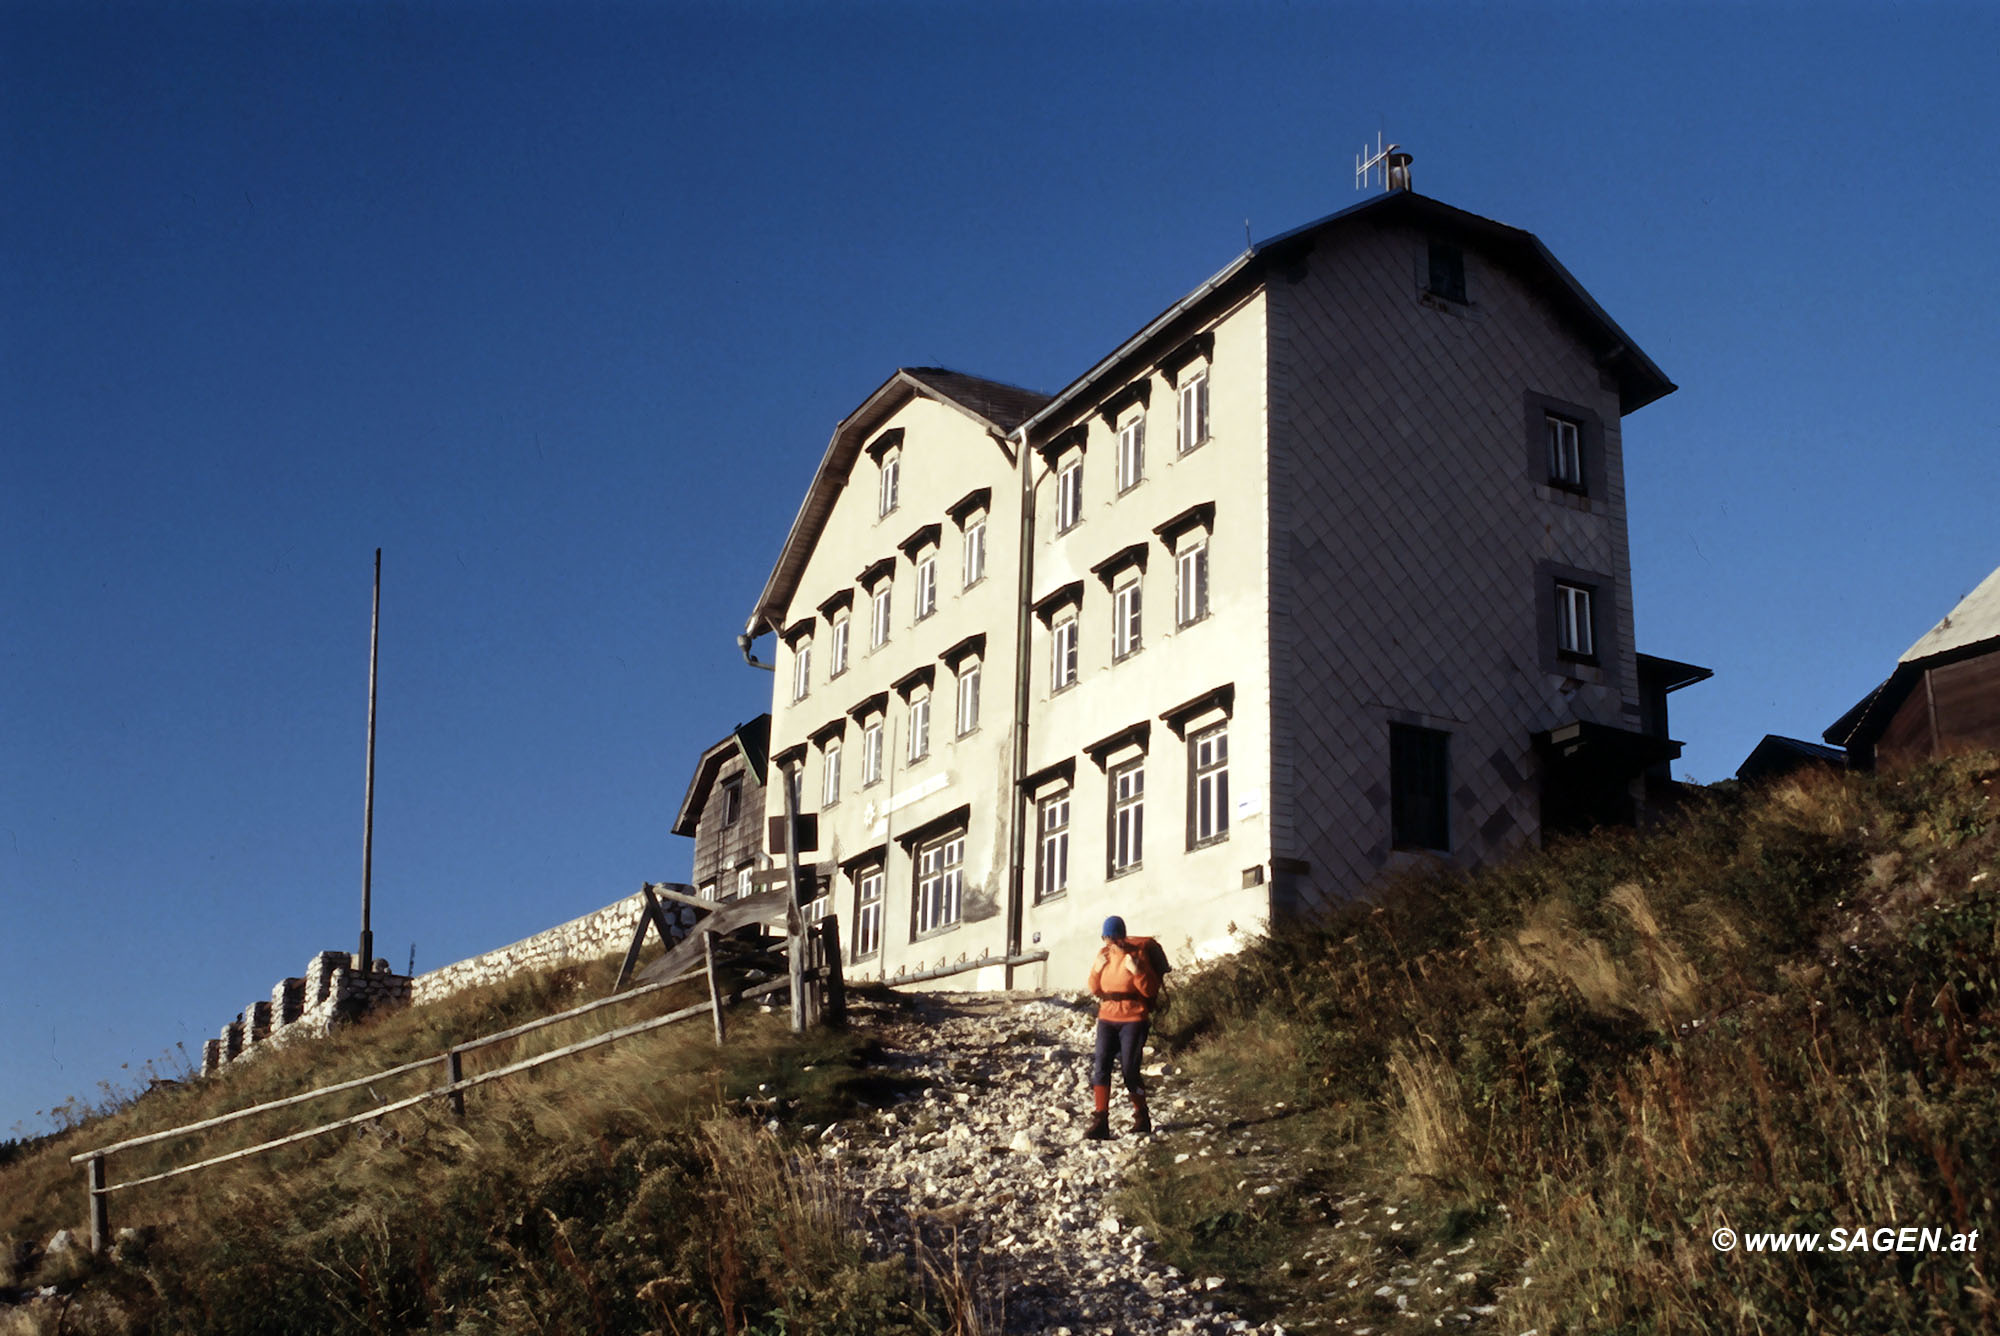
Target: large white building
x,y
1321,572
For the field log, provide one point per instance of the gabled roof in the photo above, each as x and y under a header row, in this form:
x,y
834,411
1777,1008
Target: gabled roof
x,y
998,408
1976,618
1969,629
752,741
1640,382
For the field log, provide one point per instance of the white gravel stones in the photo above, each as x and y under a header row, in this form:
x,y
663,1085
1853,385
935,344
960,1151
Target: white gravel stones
x,y
987,1164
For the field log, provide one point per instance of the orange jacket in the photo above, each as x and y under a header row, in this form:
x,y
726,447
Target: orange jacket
x,y
1124,981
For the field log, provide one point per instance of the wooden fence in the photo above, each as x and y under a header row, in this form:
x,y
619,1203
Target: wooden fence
x,y
813,979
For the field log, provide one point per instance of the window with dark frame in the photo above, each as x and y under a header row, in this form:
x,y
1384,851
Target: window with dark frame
x,y
732,799
1128,816
1208,786
1419,784
1447,272
1052,850
1576,638
940,879
868,913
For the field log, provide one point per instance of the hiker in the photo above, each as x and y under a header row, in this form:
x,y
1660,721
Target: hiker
x,y
1125,980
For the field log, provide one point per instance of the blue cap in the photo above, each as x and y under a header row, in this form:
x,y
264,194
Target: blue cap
x,y
1114,927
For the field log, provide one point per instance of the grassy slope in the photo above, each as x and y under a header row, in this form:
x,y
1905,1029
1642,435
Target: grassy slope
x,y
1778,1013
613,1192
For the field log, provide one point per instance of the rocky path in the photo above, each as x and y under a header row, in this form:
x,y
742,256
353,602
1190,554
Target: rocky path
x,y
985,1160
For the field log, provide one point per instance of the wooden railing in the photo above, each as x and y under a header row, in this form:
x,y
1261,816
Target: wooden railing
x,y
820,994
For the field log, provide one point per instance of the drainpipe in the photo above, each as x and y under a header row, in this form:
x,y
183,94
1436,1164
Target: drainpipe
x,y
1023,638
743,643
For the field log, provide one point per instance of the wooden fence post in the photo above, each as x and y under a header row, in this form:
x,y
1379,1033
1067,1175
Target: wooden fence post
x,y
454,1072
714,985
100,1207
835,986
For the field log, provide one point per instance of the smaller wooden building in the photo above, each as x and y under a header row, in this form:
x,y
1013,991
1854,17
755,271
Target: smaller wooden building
x,y
1944,695
723,812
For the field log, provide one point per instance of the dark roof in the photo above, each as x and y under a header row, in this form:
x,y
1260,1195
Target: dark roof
x,y
1778,755
752,741
1005,406
1640,382
999,408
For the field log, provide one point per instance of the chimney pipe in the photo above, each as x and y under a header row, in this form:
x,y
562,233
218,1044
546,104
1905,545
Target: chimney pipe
x,y
1398,175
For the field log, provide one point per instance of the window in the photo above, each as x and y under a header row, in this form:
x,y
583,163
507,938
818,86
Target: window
x,y
1062,666
926,587
920,729
732,799
1069,496
1052,855
871,753
881,627
1191,585
802,658
1447,272
829,786
1128,816
1125,620
868,914
940,876
892,480
975,553
1194,412
822,901
968,699
1208,786
839,652
1574,636
743,886
1131,454
1565,452
1419,774
708,890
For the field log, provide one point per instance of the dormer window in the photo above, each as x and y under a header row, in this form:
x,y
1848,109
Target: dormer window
x,y
1447,272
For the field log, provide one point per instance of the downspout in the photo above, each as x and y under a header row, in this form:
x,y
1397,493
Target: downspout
x,y
1023,638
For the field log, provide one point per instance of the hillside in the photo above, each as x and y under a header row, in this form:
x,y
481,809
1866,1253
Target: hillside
x,y
1517,1100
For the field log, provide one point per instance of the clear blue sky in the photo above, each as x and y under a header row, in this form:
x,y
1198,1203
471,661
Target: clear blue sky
x,y
558,304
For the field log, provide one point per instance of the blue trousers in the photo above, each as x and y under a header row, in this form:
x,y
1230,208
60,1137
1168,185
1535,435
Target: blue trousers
x,y
1125,1039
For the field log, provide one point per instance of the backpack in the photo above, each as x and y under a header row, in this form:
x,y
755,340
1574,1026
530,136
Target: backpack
x,y
1156,956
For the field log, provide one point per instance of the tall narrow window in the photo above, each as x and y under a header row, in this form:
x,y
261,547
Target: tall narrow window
x,y
871,753
732,799
975,553
1447,272
892,481
1069,496
743,885
940,878
1194,412
1062,666
839,652
1574,634
1208,787
1191,585
868,914
1128,816
1419,778
1131,454
802,670
968,699
1052,855
920,728
829,789
926,587
1565,453
1125,619
881,626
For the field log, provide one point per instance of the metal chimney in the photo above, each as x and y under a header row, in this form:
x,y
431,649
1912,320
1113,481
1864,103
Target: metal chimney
x,y
1398,175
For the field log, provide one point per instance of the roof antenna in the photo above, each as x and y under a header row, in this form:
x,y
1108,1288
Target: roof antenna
x,y
1395,165
1246,235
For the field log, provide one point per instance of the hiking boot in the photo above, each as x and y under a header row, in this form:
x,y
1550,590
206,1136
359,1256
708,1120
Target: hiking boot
x,y
1142,1121
1100,1127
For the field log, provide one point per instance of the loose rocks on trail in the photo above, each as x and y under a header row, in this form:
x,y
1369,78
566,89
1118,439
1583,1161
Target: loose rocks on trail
x,y
985,1165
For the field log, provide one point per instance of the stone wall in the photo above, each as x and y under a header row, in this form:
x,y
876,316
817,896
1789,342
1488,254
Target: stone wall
x,y
332,991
